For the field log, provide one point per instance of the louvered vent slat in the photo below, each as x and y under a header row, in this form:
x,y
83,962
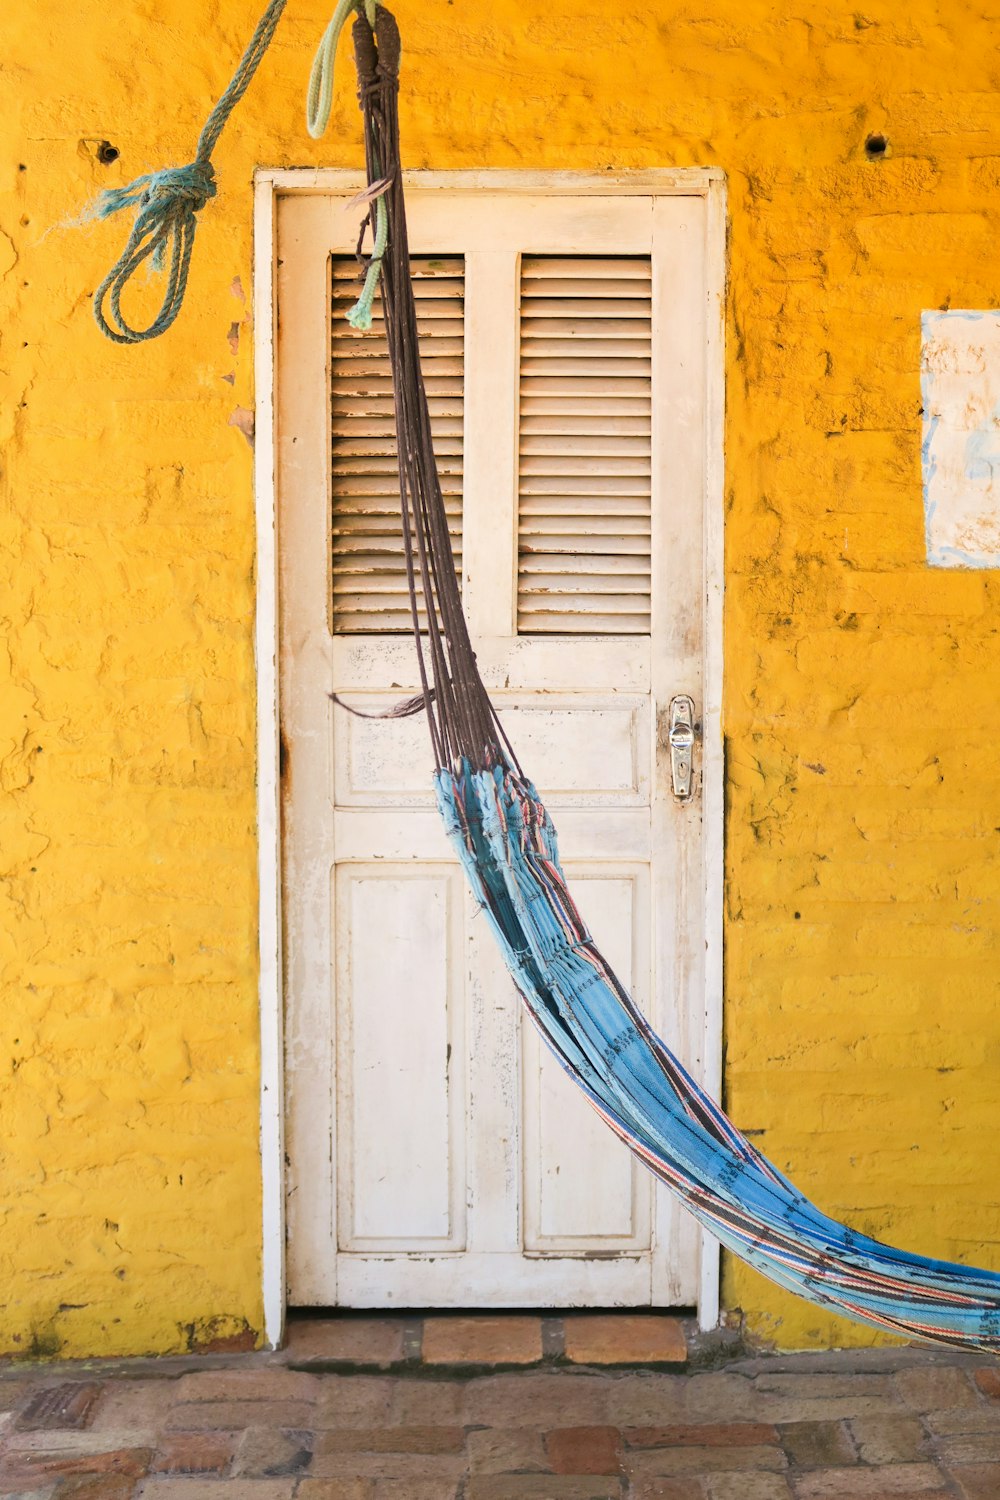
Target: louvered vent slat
x,y
369,571
585,443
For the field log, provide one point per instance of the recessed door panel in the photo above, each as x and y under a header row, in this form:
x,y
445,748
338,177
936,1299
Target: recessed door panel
x,y
399,1027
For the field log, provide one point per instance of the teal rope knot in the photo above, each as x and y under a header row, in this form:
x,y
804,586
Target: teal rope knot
x,y
167,204
156,192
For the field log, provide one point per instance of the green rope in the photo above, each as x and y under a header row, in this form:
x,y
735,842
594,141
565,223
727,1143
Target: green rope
x,y
319,95
360,315
319,101
167,203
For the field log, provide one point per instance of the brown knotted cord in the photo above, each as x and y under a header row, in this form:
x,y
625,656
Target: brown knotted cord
x,y
463,723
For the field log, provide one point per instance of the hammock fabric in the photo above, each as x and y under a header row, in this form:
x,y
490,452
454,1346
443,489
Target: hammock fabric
x,y
507,845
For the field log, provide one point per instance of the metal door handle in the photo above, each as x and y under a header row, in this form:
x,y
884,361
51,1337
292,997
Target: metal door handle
x,y
680,738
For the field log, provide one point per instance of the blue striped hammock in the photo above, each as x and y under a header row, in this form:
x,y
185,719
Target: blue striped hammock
x,y
507,845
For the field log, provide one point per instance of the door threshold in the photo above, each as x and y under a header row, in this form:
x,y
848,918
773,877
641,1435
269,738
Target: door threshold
x,y
473,1342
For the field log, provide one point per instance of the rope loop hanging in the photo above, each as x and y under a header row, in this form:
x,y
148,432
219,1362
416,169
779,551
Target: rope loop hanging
x,y
319,102
319,94
167,204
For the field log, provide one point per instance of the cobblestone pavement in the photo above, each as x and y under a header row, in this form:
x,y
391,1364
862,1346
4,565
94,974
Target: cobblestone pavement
x,y
301,1425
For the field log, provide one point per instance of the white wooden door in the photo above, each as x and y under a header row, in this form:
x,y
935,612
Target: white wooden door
x,y
437,1154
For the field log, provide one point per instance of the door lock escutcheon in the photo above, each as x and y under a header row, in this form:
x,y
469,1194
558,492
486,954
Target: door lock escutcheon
x,y
679,736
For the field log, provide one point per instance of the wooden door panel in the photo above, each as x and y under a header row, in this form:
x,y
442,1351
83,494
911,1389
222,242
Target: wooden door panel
x,y
578,748
400,1051
376,768
506,664
592,749
582,1193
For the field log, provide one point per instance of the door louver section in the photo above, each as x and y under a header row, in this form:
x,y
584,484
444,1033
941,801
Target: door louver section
x,y
584,502
369,571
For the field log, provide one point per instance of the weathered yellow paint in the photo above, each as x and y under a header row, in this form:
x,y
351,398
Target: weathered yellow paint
x,y
863,884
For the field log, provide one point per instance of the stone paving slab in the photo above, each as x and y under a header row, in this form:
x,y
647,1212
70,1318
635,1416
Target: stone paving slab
x,y
885,1425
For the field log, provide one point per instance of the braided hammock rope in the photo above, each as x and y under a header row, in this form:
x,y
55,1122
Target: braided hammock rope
x,y
507,846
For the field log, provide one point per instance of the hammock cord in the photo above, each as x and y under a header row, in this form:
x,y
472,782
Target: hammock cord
x,y
463,723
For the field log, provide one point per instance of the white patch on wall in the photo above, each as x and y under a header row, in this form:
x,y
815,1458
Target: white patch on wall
x,y
960,387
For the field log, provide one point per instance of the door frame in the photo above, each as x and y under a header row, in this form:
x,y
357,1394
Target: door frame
x,y
703,182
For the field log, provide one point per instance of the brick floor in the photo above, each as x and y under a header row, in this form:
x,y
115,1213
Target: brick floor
x,y
637,1339
748,1487
977,1481
317,1422
495,1339
667,1489
379,1342
889,1440
584,1450
61,1406
194,1453
482,1341
722,1435
988,1382
818,1445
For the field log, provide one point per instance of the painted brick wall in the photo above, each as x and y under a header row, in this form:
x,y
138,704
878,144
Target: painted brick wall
x,y
863,880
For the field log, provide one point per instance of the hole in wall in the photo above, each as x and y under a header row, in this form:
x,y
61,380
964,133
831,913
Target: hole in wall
x,y
876,146
106,153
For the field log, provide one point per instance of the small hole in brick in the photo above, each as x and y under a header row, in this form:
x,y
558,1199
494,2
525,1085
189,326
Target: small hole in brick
x,y
106,153
875,147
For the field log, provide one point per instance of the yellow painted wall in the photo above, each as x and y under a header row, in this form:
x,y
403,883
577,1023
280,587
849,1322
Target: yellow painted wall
x,y
862,717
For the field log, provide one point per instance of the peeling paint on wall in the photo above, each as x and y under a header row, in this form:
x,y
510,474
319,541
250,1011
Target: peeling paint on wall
x,y
960,385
